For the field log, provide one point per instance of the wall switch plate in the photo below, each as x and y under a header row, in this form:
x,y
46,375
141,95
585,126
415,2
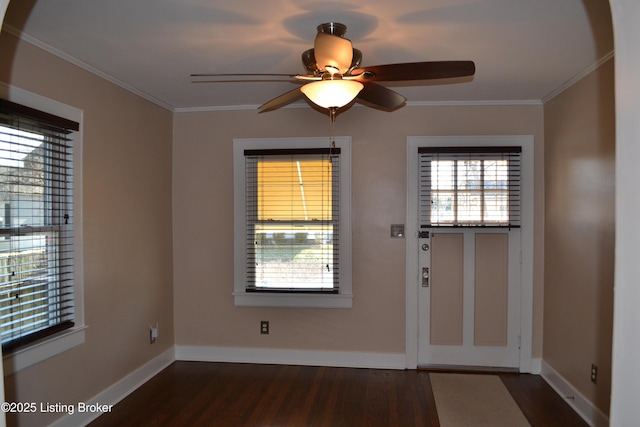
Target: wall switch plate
x,y
397,230
264,327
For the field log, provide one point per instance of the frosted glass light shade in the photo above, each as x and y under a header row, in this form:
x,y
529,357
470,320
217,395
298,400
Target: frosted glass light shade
x,y
332,93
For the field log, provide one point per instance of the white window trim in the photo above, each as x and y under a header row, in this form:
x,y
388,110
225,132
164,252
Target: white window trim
x,y
66,340
264,299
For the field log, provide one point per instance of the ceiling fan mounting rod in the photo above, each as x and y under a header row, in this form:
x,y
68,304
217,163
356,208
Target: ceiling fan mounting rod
x,y
333,28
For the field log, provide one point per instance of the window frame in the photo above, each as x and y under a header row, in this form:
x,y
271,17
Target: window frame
x,y
55,344
277,298
429,194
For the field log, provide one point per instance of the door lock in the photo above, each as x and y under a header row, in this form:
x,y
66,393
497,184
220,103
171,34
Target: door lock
x,y
425,277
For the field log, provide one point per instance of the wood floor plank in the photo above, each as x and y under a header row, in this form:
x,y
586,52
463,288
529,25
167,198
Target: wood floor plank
x,y
539,402
246,395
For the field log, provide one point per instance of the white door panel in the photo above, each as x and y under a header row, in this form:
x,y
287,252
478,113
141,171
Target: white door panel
x,y
469,306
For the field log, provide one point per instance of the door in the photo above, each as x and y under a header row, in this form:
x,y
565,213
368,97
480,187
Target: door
x,y
476,194
469,245
469,297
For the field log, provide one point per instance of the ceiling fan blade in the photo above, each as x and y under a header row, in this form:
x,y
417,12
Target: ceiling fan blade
x,y
284,99
333,51
250,77
415,71
381,97
233,77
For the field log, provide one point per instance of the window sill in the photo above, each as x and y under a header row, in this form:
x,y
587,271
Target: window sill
x,y
252,299
42,350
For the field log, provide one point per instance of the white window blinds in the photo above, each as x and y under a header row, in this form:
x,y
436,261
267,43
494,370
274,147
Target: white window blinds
x,y
292,220
36,224
469,187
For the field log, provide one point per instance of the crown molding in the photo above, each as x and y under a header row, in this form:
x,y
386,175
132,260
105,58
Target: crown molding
x,y
575,79
87,67
507,102
409,104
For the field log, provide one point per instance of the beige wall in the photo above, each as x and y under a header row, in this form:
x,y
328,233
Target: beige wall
x,y
203,223
579,233
127,230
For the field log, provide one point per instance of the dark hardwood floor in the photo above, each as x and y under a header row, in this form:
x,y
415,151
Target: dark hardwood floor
x,y
233,394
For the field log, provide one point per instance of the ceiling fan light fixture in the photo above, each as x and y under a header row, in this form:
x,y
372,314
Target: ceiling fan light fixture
x,y
332,93
333,65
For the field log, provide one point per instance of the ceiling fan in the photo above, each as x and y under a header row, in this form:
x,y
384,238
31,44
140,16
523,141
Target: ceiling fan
x,y
335,77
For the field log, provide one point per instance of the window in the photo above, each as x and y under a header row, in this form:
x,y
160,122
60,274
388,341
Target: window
x,y
293,207
36,225
293,236
469,186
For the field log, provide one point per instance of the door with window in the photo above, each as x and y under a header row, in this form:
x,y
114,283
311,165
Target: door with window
x,y
469,256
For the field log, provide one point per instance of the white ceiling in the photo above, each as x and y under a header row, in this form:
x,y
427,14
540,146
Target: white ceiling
x,y
524,50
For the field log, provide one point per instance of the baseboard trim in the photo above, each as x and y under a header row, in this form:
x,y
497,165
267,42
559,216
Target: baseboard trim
x,y
536,366
345,359
583,406
119,390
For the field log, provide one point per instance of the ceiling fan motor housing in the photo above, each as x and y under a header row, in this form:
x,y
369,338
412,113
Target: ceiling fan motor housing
x,y
335,29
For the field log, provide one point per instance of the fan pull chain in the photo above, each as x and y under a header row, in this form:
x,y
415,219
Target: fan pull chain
x,y
332,126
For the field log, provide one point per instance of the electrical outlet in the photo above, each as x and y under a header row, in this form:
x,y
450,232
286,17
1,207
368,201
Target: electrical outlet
x,y
264,327
594,373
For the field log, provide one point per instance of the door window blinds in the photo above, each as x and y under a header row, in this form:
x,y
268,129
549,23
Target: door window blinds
x,y
36,224
292,219
469,186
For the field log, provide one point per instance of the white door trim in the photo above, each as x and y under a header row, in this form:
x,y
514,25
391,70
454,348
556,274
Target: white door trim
x,y
411,240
